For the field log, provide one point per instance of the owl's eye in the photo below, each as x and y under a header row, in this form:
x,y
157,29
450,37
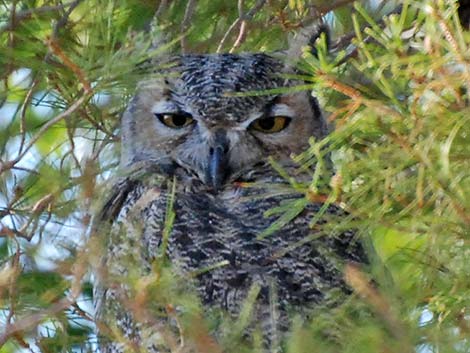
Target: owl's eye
x,y
271,124
175,120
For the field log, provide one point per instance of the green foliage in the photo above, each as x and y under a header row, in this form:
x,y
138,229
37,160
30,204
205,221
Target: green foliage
x,y
402,154
400,105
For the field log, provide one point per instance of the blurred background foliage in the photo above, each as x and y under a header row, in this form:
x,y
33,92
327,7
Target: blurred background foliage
x,y
395,85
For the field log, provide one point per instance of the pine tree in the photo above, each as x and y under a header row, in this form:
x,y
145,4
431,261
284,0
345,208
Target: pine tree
x,y
395,85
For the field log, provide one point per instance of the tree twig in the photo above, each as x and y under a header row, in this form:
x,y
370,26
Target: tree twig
x,y
64,19
24,106
162,7
242,19
29,13
241,37
330,7
56,50
185,24
10,164
227,34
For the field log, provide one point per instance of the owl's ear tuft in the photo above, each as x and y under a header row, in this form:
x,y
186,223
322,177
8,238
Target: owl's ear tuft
x,y
307,36
161,49
322,29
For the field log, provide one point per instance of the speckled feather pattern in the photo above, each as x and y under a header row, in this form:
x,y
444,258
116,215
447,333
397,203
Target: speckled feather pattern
x,y
211,229
208,83
218,227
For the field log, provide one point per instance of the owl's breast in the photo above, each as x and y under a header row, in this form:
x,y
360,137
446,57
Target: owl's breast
x,y
216,239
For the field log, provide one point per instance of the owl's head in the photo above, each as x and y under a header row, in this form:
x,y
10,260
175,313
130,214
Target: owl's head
x,y
211,116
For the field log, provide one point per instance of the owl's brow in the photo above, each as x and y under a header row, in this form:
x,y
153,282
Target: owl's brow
x,y
269,107
165,106
270,104
265,112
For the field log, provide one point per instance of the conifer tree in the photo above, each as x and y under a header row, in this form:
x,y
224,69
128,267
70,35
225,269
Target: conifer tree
x,y
396,89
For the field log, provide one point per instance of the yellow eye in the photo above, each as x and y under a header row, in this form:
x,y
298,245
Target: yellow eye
x,y
271,124
175,120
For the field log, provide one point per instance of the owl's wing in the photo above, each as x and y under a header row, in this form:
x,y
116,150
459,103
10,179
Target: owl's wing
x,y
127,181
117,229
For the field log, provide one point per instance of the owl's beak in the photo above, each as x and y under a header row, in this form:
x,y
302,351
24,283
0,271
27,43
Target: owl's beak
x,y
218,162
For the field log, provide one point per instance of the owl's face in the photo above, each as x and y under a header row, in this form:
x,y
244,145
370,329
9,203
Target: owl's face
x,y
210,115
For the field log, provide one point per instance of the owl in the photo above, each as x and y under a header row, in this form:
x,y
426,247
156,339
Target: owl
x,y
196,191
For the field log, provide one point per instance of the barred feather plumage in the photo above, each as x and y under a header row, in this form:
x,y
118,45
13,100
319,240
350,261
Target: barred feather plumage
x,y
215,237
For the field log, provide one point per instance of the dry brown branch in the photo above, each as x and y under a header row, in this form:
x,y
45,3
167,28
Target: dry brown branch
x,y
227,34
31,321
254,10
57,51
29,13
6,231
64,19
37,209
70,135
335,5
12,288
24,169
340,87
26,102
161,8
10,232
362,286
11,35
241,37
241,21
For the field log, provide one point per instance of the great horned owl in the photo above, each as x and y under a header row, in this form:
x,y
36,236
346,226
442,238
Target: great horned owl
x,y
197,135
